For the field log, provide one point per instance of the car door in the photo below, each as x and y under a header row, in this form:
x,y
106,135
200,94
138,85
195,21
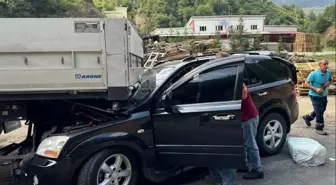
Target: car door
x,y
258,91
203,126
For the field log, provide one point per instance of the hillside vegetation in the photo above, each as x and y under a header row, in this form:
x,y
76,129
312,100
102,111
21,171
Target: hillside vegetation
x,y
151,14
306,3
315,10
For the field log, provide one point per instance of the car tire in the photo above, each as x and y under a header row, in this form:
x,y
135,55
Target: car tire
x,y
20,180
95,172
272,134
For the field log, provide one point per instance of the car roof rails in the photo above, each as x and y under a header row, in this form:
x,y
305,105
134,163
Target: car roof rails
x,y
196,57
262,52
189,58
252,53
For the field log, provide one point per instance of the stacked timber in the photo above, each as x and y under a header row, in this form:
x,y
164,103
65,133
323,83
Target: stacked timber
x,y
304,69
332,88
300,59
179,50
303,43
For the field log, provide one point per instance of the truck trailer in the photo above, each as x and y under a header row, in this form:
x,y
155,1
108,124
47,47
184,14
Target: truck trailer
x,y
59,74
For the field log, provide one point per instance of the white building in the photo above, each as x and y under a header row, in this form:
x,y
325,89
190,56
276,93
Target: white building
x,y
214,25
210,25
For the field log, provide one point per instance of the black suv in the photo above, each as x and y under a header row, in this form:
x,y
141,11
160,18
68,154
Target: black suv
x,y
181,114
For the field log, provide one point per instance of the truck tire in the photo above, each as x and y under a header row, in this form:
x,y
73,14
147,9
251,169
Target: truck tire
x,y
272,134
110,165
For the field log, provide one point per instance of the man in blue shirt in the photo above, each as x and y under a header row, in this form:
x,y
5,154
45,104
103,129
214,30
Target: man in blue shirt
x,y
318,81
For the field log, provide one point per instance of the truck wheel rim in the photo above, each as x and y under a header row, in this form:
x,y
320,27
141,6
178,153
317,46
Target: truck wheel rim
x,y
273,134
115,170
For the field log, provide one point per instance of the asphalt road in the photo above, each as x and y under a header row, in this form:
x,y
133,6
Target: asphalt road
x,y
279,169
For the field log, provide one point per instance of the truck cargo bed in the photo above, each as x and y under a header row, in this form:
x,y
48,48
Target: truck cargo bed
x,y
65,55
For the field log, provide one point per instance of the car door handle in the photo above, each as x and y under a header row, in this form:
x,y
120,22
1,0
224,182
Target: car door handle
x,y
224,118
262,94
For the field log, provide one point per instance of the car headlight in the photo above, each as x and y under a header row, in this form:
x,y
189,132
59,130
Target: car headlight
x,y
51,147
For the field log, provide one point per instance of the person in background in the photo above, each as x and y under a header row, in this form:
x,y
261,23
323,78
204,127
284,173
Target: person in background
x,y
318,81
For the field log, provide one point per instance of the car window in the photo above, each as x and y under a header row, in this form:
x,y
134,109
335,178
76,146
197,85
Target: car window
x,y
250,78
213,85
275,68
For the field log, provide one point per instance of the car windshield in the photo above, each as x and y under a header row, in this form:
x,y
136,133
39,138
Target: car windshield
x,y
150,80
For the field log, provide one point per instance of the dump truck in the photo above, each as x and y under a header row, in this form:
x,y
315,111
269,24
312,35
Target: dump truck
x,y
58,73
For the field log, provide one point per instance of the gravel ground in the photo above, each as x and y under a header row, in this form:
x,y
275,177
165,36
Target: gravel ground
x,y
279,169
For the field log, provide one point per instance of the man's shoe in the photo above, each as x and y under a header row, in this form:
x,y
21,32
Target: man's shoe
x,y
253,175
321,132
306,120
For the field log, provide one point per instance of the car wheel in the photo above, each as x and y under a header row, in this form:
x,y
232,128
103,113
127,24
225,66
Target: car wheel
x,y
272,133
110,167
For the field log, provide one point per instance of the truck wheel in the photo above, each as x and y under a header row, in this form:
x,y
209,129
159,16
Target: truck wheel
x,y
272,134
110,167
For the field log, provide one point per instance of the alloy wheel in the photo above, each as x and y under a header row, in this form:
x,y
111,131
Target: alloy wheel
x,y
273,134
115,170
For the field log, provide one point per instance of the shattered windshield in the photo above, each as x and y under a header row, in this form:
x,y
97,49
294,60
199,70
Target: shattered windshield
x,y
150,80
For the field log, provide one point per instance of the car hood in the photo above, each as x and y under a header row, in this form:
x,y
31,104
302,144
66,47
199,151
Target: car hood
x,y
126,125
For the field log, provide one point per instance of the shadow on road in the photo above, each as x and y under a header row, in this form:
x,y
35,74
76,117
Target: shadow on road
x,y
186,178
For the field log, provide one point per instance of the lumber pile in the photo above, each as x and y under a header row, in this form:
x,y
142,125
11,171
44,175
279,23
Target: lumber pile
x,y
300,59
174,51
169,50
332,89
303,43
304,69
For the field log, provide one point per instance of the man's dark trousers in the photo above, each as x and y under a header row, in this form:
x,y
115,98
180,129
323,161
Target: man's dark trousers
x,y
319,105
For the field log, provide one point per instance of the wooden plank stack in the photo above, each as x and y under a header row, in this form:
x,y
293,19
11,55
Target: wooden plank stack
x,y
332,90
303,42
304,69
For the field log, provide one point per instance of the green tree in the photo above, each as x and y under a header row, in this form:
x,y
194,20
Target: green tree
x,y
322,24
256,44
106,5
317,44
150,14
238,41
311,16
16,8
330,13
265,40
281,45
331,43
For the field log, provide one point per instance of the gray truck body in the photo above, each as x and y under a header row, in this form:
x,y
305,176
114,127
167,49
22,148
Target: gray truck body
x,y
40,57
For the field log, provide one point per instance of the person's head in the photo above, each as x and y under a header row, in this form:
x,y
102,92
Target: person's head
x,y
222,55
323,64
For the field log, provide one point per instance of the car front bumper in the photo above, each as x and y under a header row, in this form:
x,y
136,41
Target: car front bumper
x,y
43,171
